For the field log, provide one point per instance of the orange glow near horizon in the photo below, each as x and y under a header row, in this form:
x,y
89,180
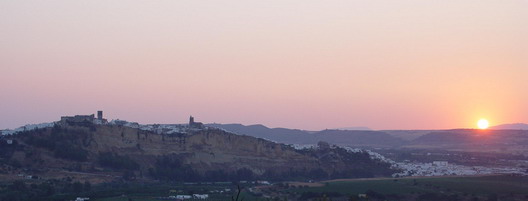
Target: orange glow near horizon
x,y
290,63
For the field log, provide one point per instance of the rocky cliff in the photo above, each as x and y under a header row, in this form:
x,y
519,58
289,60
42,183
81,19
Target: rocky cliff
x,y
201,153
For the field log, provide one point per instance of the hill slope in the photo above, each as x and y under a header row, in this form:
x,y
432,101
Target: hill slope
x,y
207,154
514,141
517,126
357,138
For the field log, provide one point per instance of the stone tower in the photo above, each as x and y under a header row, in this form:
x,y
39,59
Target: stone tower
x,y
191,121
100,115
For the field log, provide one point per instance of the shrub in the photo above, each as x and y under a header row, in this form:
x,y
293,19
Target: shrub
x,y
115,161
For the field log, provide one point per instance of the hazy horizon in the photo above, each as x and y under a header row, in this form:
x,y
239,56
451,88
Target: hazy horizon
x,y
271,127
294,64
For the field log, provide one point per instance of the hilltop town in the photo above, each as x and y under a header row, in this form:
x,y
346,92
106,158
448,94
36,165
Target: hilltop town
x,y
87,120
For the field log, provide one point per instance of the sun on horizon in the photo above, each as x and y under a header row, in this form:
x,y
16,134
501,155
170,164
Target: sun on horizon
x,y
482,124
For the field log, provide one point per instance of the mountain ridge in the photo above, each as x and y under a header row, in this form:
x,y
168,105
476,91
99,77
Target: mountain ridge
x,y
513,126
359,138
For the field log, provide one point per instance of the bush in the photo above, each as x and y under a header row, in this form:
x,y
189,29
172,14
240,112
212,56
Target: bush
x,y
64,143
115,161
68,151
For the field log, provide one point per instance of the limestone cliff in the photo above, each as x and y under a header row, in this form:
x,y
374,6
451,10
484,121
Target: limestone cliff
x,y
209,151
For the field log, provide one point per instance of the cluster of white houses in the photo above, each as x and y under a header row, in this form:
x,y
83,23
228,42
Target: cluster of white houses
x,y
91,119
443,168
87,120
188,197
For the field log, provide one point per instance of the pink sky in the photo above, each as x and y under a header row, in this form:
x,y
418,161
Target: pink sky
x,y
296,64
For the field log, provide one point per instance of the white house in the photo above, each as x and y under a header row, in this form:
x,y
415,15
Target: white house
x,y
201,196
183,197
264,182
440,163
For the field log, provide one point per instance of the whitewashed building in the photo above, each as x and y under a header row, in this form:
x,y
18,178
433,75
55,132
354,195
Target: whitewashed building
x,y
200,196
183,197
440,163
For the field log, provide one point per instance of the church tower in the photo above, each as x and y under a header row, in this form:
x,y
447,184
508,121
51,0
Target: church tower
x,y
191,121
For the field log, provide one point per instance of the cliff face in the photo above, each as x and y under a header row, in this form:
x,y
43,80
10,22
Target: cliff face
x,y
112,148
204,150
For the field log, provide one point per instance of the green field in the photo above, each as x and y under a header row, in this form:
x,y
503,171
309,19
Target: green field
x,y
154,191
484,188
154,197
463,186
479,186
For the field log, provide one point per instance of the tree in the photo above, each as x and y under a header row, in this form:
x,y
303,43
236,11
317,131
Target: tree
x,y
129,175
18,186
77,187
237,198
87,186
111,160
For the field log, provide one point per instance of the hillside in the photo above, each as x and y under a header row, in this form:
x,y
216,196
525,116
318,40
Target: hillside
x,y
354,138
282,135
517,126
408,135
107,152
513,141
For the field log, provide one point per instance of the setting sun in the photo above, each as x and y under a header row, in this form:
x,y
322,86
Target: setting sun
x,y
483,124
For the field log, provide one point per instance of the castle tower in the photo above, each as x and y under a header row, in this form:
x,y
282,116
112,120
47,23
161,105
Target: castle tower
x,y
100,115
191,121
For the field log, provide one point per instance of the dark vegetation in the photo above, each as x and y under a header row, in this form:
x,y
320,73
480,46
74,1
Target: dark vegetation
x,y
170,168
6,151
64,143
71,143
50,190
490,188
66,190
115,161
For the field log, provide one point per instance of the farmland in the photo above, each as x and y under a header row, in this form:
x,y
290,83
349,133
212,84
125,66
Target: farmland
x,y
484,187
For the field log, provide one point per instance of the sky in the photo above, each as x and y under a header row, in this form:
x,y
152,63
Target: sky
x,y
296,64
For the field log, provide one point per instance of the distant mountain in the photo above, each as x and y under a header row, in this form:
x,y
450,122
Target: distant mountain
x,y
517,126
359,138
451,137
355,128
274,134
474,140
408,134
